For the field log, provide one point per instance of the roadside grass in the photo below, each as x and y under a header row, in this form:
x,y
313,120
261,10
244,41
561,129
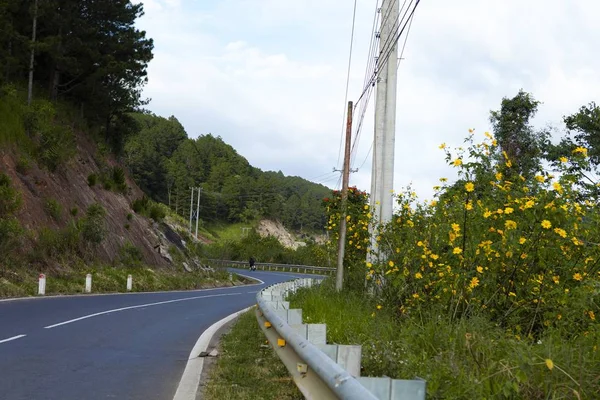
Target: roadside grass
x,y
105,279
460,359
248,368
225,233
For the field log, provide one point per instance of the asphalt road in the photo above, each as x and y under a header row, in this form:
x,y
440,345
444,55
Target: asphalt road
x,y
122,346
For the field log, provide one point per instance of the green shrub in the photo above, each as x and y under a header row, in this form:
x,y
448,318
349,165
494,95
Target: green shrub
x,y
10,198
129,216
92,179
74,211
93,227
130,255
140,205
23,165
52,244
53,209
10,234
127,226
118,179
157,213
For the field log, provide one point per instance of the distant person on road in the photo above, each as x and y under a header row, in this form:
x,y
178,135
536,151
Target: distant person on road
x,y
252,266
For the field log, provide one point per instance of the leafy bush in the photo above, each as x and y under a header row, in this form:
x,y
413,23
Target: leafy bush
x,y
92,179
10,234
157,212
53,244
130,255
93,227
10,198
118,178
53,209
129,216
23,165
74,211
140,205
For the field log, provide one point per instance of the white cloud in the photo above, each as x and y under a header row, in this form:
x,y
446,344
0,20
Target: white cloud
x,y
269,76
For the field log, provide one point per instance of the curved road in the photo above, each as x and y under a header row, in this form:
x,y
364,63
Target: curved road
x,y
121,346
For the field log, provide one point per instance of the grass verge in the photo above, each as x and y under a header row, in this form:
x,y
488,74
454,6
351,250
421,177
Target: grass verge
x,y
248,368
461,359
21,282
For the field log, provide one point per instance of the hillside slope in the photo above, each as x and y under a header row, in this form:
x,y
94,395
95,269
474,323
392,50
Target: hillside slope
x,y
53,200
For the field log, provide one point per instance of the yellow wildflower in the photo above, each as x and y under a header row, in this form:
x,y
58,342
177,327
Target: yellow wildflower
x,y
508,210
560,232
474,283
563,159
581,150
549,364
556,279
546,224
418,275
480,269
469,186
510,224
457,250
455,227
443,146
457,162
540,178
557,186
522,240
578,277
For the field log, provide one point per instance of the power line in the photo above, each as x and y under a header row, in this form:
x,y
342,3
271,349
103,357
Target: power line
x,y
381,62
347,81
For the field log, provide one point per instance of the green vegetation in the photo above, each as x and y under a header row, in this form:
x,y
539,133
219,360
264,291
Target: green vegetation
x,y
463,359
87,53
53,209
492,289
248,368
109,279
166,163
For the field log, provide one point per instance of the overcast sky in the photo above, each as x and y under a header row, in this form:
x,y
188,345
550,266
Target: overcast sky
x,y
269,76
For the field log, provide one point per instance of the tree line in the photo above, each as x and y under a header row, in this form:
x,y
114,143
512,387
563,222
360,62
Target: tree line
x,y
86,52
166,164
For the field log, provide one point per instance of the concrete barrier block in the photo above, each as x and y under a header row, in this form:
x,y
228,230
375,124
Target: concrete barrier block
x,y
414,389
349,357
317,333
380,387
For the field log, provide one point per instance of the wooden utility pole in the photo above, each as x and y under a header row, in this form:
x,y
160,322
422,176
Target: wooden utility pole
x,y
32,56
339,278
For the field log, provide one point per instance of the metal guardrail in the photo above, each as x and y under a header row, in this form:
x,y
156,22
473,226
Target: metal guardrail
x,y
322,371
275,267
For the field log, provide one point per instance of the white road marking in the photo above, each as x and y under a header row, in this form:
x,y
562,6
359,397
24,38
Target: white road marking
x,y
12,338
138,306
188,385
250,277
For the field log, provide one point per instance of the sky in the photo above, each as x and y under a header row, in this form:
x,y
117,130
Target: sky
x,y
269,76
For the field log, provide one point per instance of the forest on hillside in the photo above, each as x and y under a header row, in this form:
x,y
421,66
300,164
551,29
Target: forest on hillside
x,y
85,64
166,164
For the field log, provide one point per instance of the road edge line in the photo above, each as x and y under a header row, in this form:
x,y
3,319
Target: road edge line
x,y
190,379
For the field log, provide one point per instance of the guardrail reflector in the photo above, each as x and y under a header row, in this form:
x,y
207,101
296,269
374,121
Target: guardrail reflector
x,y
267,324
280,342
302,368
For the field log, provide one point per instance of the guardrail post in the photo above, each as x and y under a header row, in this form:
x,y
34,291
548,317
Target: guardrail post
x,y
129,282
88,283
42,285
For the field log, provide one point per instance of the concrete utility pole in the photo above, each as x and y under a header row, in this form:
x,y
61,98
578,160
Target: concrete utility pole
x,y
382,174
198,211
339,278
